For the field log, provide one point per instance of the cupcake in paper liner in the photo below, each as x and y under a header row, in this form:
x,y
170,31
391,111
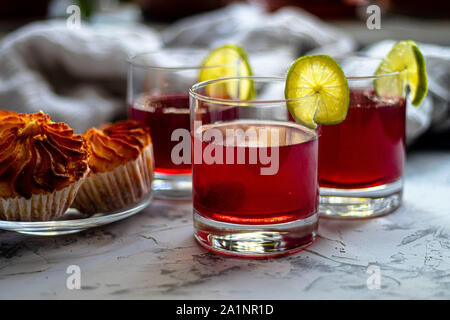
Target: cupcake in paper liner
x,y
121,165
42,166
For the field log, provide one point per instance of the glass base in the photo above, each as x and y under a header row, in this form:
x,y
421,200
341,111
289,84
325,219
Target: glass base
x,y
255,241
49,233
173,186
360,203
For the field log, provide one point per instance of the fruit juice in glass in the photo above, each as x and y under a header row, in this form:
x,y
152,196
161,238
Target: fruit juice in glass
x,y
238,193
361,159
255,188
367,149
158,95
164,114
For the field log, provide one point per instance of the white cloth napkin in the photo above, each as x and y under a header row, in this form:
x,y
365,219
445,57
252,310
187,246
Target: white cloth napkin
x,y
272,40
76,75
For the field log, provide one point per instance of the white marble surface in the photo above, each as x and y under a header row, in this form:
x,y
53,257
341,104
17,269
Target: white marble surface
x,y
153,255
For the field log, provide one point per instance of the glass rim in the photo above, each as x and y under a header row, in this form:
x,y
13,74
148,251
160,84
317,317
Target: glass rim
x,y
193,91
131,60
384,75
362,56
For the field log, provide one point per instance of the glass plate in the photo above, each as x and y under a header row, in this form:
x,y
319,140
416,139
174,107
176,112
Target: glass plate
x,y
73,221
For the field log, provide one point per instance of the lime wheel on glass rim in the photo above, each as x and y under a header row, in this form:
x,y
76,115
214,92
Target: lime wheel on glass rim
x,y
317,91
405,58
228,61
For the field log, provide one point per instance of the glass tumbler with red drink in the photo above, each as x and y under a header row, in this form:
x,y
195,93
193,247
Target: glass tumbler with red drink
x,y
255,188
361,159
158,95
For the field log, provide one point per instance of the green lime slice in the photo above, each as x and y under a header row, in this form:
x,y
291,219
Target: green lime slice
x,y
406,58
228,61
317,90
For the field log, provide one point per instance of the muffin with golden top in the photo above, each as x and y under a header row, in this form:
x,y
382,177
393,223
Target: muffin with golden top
x,y
121,165
42,166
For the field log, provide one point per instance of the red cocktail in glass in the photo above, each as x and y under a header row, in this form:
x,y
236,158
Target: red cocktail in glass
x,y
238,193
361,159
367,149
164,114
255,187
158,87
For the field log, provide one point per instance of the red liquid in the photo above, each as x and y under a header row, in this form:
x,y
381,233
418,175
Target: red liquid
x,y
238,193
164,114
367,149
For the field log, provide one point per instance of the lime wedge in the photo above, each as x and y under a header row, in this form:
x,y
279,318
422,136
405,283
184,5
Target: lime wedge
x,y
406,58
228,61
317,90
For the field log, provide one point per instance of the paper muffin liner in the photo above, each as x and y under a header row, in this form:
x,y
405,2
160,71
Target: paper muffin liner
x,y
110,191
40,207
